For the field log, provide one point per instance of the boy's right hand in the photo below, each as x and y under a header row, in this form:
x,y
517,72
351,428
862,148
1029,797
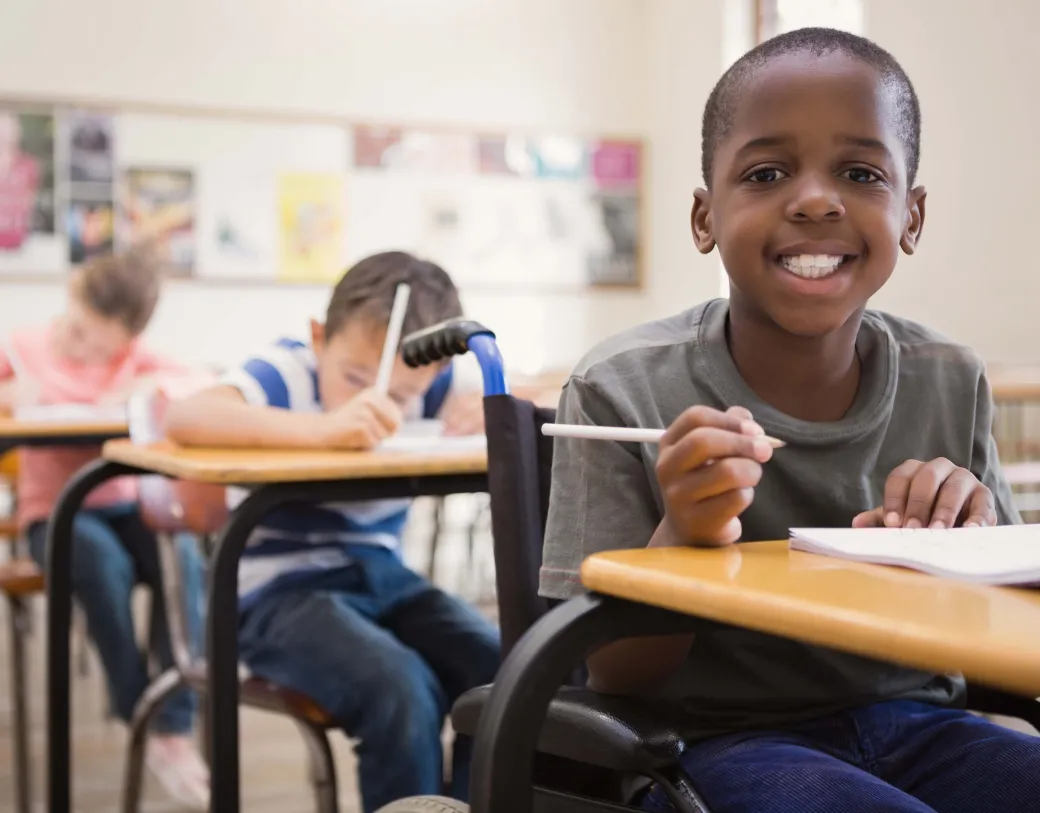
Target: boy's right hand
x,y
708,467
361,423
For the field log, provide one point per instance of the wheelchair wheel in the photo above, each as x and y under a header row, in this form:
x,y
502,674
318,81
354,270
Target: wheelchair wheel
x,y
426,804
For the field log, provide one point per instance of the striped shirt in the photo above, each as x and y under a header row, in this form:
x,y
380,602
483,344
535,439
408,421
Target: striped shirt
x,y
298,540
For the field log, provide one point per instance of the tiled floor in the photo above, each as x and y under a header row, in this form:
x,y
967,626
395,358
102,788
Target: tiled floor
x,y
273,758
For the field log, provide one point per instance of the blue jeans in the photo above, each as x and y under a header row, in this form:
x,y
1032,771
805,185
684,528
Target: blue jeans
x,y
112,551
898,757
386,654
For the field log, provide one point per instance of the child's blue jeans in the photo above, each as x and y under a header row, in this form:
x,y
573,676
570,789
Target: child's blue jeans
x,y
897,757
112,551
386,654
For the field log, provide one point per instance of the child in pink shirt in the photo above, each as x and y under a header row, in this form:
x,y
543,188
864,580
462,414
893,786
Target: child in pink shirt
x,y
91,354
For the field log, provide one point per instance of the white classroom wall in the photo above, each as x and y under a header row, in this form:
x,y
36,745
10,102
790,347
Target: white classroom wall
x,y
627,67
581,66
976,275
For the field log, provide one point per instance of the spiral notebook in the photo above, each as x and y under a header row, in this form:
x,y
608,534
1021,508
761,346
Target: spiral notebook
x,y
1004,555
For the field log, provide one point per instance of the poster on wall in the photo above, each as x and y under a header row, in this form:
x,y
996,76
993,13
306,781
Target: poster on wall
x,y
157,206
619,264
28,239
616,167
90,146
237,233
421,151
89,151
90,226
311,227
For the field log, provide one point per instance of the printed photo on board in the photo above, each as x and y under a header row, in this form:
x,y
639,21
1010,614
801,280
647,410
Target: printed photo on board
x,y
26,177
158,206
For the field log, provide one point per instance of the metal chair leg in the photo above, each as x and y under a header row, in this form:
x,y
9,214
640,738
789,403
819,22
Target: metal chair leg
x,y
150,703
322,766
18,618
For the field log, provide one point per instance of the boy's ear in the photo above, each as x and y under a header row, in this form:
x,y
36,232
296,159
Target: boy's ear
x,y
317,336
914,219
701,221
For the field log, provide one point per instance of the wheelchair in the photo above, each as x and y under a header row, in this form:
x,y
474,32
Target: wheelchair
x,y
543,742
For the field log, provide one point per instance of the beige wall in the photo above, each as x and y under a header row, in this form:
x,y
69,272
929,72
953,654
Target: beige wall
x,y
976,276
641,67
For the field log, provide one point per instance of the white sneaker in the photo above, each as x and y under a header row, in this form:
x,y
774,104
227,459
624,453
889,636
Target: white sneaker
x,y
176,763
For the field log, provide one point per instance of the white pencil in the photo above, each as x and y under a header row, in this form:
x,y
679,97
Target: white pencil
x,y
393,337
623,434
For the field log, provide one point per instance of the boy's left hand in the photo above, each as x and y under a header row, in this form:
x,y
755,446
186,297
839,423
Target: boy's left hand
x,y
936,494
463,414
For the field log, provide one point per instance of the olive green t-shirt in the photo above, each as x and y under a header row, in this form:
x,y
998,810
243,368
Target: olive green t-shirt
x,y
921,396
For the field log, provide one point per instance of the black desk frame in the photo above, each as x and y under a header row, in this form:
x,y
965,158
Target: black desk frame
x,y
222,616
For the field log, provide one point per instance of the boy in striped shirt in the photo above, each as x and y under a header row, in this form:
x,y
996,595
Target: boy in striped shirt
x,y
327,606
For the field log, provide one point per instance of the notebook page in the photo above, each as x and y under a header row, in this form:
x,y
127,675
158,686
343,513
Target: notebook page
x,y
427,437
418,444
1001,555
71,413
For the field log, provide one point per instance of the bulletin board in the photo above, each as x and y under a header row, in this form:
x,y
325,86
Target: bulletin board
x,y
295,202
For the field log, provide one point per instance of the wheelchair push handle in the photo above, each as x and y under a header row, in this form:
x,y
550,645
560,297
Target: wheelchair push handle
x,y
457,337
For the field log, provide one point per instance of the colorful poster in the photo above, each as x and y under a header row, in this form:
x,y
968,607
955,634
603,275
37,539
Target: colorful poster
x,y
424,151
158,207
617,164
559,157
90,145
89,151
374,147
26,177
619,213
91,229
311,215
504,155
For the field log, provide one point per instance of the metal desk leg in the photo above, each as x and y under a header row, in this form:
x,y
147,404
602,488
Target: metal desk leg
x,y
222,647
222,616
59,621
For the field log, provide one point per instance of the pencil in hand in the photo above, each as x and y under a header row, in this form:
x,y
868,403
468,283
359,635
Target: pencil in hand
x,y
623,434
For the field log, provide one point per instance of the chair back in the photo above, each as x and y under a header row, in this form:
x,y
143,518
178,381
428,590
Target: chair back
x,y
519,475
170,506
519,469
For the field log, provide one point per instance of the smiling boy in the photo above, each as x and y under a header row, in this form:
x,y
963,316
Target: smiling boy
x,y
810,154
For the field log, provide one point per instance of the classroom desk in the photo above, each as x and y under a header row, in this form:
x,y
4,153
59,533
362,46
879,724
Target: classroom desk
x,y
1014,382
991,634
274,478
16,433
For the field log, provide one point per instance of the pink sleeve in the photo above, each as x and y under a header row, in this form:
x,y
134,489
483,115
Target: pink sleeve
x,y
149,363
5,366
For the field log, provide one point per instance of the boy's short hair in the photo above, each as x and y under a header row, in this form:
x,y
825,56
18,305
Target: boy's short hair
x,y
122,286
722,103
367,291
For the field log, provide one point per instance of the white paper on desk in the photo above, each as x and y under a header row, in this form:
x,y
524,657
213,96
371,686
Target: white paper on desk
x,y
71,413
1007,554
426,437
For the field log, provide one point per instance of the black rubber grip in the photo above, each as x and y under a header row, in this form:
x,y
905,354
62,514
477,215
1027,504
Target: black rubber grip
x,y
441,341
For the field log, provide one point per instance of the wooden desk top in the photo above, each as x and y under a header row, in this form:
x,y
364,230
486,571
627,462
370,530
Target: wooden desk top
x,y
1014,383
243,466
12,428
991,634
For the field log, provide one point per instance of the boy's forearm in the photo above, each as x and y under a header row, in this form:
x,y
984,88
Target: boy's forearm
x,y
213,419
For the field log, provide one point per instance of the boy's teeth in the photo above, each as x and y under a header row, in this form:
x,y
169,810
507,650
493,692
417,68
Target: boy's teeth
x,y
812,265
